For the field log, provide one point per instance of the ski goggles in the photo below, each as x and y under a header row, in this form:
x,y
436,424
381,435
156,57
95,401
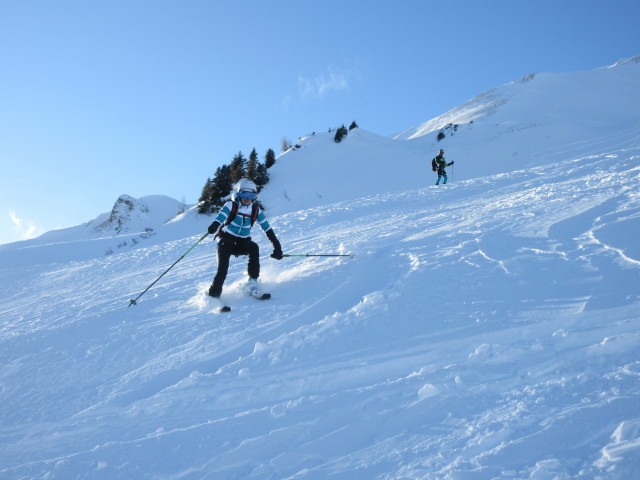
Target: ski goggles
x,y
247,195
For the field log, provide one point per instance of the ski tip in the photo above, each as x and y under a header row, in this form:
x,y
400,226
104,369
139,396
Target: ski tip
x,y
265,296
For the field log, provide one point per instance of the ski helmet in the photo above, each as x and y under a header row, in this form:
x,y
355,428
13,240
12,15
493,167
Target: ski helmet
x,y
246,185
245,190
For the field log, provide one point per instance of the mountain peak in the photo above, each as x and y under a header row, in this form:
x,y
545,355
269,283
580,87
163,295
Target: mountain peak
x,y
545,98
130,214
624,61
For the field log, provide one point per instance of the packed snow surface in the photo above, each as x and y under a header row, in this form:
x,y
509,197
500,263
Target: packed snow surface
x,y
486,329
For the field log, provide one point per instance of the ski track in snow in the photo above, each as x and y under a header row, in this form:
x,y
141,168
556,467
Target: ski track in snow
x,y
486,330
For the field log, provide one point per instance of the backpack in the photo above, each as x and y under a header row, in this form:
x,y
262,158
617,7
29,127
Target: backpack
x,y
434,164
234,211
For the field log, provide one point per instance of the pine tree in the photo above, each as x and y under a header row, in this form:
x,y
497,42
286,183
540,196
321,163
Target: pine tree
x,y
238,166
340,133
216,191
252,165
221,185
261,176
353,125
256,171
269,158
205,197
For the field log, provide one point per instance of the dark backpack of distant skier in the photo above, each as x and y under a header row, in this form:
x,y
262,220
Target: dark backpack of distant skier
x,y
434,165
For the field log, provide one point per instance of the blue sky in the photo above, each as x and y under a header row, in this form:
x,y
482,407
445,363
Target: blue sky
x,y
146,97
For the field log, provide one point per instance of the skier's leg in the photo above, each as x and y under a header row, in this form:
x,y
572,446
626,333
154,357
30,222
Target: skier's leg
x,y
224,252
445,180
247,247
253,250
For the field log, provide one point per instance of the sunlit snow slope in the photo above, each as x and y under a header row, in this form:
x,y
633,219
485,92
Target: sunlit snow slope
x,y
488,329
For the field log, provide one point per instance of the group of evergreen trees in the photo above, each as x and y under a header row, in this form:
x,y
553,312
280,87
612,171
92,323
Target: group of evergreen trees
x,y
217,189
342,131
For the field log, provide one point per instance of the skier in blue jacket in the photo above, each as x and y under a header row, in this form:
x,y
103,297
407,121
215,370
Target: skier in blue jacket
x,y
233,227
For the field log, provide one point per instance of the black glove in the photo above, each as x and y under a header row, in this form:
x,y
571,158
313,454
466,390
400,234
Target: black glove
x,y
451,162
277,249
213,228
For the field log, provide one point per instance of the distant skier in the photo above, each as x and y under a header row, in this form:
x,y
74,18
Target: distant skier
x,y
438,164
233,225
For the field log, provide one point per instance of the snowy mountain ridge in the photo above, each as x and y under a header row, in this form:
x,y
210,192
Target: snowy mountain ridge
x,y
131,223
561,90
486,329
635,59
130,215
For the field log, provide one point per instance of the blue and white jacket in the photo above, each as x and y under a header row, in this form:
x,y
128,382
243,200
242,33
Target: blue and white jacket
x,y
240,226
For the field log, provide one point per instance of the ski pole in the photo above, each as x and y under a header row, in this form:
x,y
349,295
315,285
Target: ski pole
x,y
134,301
351,255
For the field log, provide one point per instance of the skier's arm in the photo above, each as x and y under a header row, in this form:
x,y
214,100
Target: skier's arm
x,y
264,223
277,249
223,214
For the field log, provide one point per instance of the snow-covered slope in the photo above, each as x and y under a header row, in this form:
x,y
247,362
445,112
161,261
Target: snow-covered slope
x,y
605,97
536,121
484,330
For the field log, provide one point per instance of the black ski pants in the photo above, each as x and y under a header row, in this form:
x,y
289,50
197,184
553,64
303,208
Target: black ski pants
x,y
231,245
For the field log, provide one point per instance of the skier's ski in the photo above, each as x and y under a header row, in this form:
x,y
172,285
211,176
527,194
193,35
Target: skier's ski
x,y
219,306
227,308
